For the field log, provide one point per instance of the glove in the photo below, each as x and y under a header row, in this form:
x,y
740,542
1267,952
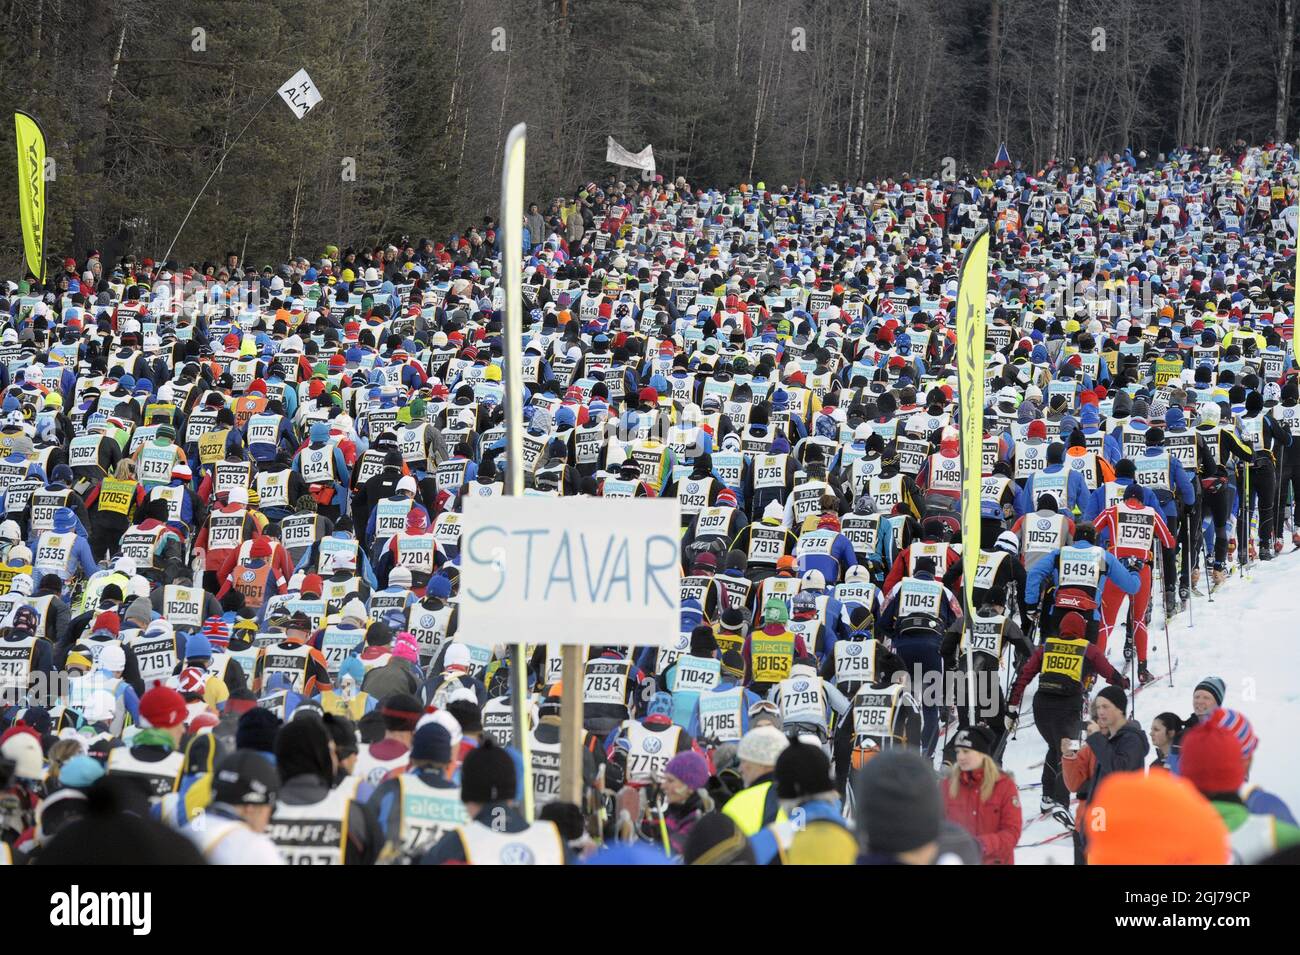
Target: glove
x,y
1012,718
1129,651
1134,564
1124,682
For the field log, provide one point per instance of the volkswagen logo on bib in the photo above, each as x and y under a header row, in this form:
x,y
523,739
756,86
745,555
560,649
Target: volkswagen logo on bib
x,y
853,649
428,620
317,455
517,854
800,686
652,745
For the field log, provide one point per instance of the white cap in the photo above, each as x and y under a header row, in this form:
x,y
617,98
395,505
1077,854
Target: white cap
x,y
25,750
774,510
343,560
857,572
407,483
9,531
814,580
22,583
446,721
140,587
457,655
125,564
355,610
399,577
112,658
160,628
237,495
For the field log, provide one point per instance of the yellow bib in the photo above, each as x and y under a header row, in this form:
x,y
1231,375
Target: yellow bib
x,y
116,496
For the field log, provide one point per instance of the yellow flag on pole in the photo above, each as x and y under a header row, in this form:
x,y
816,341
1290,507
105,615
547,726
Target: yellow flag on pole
x,y
972,299
31,191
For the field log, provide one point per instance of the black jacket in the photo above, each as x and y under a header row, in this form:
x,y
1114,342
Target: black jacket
x,y
1124,752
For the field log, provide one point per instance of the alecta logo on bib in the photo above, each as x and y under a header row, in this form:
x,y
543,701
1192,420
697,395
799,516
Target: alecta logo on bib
x,y
77,908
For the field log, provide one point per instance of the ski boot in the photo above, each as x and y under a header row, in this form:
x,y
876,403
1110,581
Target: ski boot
x,y
1172,605
1049,805
1265,551
1295,539
1144,675
1232,547
1252,552
1218,575
1196,581
1184,594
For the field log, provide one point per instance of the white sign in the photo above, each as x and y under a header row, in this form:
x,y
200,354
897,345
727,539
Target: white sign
x,y
570,570
300,93
616,154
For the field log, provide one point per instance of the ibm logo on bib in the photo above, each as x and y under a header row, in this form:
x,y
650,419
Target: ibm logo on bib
x,y
516,853
652,745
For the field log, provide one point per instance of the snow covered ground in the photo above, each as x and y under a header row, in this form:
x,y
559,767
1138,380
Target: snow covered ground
x,y
1248,636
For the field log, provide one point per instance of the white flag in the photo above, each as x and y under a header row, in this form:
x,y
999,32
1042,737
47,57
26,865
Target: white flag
x,y
616,154
300,93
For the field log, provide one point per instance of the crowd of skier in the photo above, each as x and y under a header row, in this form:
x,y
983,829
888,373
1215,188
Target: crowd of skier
x,y
229,556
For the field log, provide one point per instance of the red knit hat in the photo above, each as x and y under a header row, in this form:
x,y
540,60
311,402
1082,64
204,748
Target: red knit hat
x,y
261,547
1073,626
1211,759
1037,429
162,707
107,620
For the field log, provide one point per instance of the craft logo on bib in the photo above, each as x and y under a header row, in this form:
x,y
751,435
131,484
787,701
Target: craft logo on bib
x,y
516,853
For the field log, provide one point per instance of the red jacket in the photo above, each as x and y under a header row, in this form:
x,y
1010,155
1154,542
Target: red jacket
x,y
995,824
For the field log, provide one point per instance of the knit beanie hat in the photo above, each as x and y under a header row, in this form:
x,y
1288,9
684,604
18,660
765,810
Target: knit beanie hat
x,y
762,745
801,771
162,707
1210,759
1215,687
1155,819
898,803
717,840
487,775
1116,696
691,768
256,729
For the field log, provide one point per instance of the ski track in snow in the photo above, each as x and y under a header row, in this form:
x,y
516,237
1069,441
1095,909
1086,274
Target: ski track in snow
x,y
1248,637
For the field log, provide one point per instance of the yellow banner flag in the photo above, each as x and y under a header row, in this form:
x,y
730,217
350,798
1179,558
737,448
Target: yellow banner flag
x,y
972,294
31,191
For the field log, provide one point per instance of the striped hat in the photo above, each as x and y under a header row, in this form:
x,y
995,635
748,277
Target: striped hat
x,y
1236,723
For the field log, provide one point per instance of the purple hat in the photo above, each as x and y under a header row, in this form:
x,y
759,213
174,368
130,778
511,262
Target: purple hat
x,y
691,768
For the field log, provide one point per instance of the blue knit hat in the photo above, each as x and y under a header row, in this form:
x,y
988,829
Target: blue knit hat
x,y
197,647
320,431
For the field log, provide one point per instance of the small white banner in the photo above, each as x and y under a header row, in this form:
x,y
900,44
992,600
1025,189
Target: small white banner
x,y
644,160
300,93
570,570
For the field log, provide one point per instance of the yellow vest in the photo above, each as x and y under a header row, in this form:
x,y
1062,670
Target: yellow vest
x,y
353,709
746,808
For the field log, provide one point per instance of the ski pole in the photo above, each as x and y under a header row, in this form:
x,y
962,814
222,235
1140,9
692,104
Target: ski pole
x,y
1169,655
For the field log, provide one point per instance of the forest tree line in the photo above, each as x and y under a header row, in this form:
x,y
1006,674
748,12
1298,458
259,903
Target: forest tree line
x,y
139,100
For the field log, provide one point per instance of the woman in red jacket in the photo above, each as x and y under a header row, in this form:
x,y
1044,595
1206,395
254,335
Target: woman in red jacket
x,y
982,799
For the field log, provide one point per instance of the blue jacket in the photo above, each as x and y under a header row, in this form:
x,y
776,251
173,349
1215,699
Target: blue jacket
x,y
1095,502
1181,483
1044,571
764,842
1076,492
